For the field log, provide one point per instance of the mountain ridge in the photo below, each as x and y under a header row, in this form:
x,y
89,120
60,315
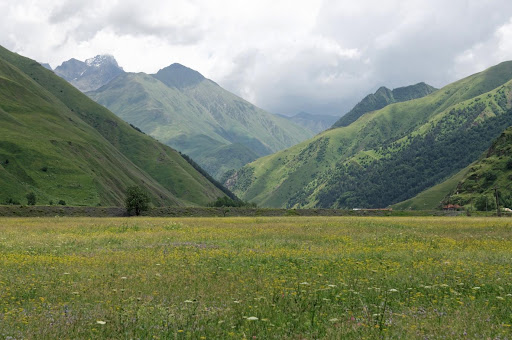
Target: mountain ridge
x,y
383,97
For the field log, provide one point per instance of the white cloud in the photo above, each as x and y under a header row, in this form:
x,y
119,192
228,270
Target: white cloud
x,y
286,56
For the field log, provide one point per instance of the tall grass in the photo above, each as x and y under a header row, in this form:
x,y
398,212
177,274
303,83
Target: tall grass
x,y
256,278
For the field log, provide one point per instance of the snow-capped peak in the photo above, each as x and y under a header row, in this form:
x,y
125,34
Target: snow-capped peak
x,y
101,60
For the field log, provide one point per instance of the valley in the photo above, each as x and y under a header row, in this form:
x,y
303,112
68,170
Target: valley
x,y
181,108
255,170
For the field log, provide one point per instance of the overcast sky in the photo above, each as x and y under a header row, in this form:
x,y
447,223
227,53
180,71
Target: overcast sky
x,y
284,56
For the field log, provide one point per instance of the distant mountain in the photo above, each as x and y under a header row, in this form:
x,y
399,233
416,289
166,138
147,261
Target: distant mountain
x,y
179,76
314,123
59,144
389,155
383,97
91,74
183,109
47,66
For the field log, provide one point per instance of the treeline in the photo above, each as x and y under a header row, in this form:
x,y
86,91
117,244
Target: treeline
x,y
210,178
228,202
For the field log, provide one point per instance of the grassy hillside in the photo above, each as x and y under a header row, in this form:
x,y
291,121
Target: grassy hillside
x,y
492,170
389,155
383,97
61,145
182,109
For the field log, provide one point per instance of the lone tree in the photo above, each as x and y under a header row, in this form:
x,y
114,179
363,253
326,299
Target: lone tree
x,y
31,198
136,199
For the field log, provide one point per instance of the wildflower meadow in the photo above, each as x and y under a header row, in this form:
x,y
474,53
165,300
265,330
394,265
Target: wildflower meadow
x,y
256,278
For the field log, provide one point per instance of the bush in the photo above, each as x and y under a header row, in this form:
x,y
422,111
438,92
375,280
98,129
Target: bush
x,y
62,202
31,198
11,201
136,200
490,176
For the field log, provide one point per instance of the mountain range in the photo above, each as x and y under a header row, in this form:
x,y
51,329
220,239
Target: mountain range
x,y
388,155
183,109
61,145
412,147
315,123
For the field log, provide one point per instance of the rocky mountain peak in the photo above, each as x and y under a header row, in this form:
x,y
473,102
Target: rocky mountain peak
x,y
102,60
91,74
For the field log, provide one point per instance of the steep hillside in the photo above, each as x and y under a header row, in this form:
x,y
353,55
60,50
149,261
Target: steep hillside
x,y
382,98
61,145
389,155
492,170
91,74
314,123
433,197
181,108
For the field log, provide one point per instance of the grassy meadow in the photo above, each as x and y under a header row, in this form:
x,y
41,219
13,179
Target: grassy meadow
x,y
256,278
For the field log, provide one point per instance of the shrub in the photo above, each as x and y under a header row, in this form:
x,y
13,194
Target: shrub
x,y
509,164
31,198
11,201
490,176
62,202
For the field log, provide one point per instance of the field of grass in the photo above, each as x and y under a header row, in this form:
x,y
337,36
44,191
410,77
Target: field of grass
x,y
256,278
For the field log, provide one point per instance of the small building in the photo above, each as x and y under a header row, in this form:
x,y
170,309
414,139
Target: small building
x,y
452,207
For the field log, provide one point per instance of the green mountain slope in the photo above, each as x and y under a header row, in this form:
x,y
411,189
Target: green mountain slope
x,y
492,170
389,155
383,97
432,198
60,144
181,108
